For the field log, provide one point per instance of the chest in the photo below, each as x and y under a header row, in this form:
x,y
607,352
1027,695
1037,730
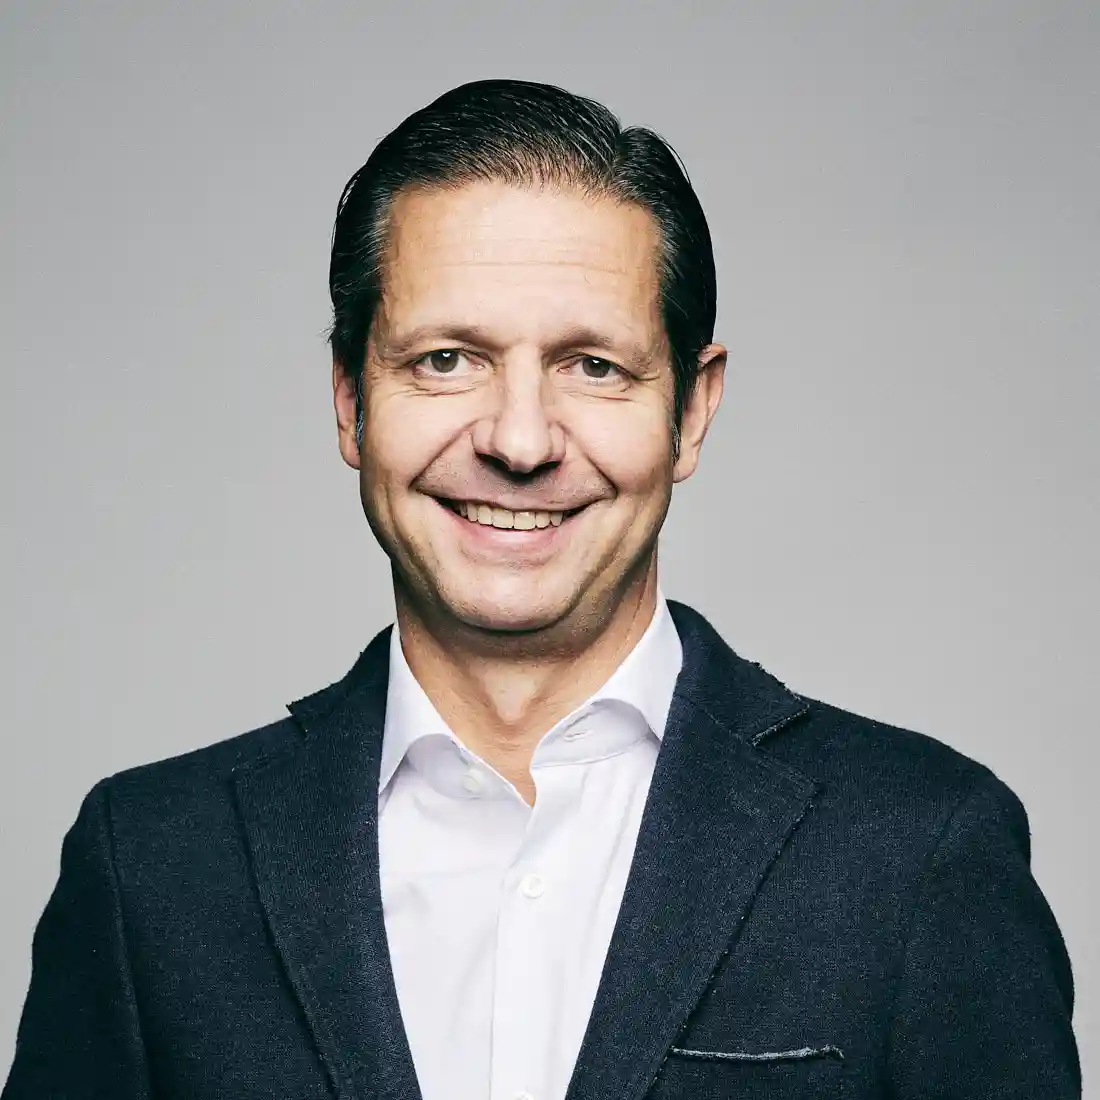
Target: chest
x,y
499,914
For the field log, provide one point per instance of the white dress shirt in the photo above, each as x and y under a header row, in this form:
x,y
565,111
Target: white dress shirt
x,y
499,914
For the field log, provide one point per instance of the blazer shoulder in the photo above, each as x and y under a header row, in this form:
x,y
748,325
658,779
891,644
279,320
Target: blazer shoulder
x,y
875,763
889,798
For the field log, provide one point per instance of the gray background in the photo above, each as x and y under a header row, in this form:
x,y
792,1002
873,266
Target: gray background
x,y
897,510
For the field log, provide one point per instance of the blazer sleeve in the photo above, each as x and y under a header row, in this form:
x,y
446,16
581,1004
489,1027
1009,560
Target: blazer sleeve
x,y
79,1036
985,999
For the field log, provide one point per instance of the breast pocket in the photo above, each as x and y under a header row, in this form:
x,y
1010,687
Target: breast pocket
x,y
804,1073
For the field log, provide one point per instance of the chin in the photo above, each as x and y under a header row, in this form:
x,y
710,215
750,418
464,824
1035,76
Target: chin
x,y
509,612
508,618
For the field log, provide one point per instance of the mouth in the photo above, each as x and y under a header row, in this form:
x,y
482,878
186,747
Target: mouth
x,y
503,519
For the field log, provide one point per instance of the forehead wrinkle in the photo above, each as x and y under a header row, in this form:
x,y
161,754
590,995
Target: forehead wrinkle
x,y
612,305
444,221
540,261
584,255
413,266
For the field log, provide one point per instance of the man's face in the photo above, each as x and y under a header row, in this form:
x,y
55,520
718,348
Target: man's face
x,y
517,458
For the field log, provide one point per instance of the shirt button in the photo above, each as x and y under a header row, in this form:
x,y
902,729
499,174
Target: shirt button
x,y
573,735
472,782
532,886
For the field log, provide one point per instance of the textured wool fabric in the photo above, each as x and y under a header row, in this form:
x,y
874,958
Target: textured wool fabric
x,y
819,906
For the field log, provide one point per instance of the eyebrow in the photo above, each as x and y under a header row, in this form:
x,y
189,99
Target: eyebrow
x,y
580,336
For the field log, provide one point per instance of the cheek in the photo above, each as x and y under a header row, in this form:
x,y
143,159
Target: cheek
x,y
630,445
400,442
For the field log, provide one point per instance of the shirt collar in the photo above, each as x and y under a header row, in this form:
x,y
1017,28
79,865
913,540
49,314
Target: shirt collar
x,y
645,681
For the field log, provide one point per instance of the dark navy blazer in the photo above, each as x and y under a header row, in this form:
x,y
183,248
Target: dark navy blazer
x,y
819,906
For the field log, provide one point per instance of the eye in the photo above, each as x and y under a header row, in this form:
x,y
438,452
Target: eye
x,y
442,361
594,369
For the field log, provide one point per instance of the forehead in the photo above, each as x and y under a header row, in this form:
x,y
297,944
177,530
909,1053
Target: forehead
x,y
523,259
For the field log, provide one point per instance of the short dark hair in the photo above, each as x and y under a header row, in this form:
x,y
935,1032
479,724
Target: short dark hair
x,y
515,131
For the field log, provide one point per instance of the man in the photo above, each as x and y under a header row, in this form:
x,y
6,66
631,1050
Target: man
x,y
550,836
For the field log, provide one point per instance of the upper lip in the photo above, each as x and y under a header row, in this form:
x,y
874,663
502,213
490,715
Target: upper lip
x,y
523,507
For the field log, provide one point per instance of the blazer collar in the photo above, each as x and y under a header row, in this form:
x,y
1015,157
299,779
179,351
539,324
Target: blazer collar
x,y
717,816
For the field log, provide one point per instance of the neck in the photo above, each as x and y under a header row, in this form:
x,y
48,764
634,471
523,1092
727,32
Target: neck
x,y
500,700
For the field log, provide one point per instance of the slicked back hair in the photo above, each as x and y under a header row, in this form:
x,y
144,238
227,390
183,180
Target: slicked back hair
x,y
517,132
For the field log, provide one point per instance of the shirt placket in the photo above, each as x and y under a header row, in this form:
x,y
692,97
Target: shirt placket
x,y
527,988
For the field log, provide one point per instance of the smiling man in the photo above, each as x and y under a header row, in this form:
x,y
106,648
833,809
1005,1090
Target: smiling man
x,y
550,837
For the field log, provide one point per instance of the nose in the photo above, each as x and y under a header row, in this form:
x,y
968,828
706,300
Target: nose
x,y
521,432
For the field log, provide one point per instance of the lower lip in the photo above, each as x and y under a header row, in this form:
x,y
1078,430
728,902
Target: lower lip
x,y
505,538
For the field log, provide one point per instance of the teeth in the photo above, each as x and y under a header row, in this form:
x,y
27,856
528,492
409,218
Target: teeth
x,y
505,520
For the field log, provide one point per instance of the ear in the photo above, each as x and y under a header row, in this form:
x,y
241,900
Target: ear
x,y
699,410
344,394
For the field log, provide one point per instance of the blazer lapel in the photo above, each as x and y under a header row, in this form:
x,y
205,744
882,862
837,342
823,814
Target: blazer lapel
x,y
717,816
311,818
